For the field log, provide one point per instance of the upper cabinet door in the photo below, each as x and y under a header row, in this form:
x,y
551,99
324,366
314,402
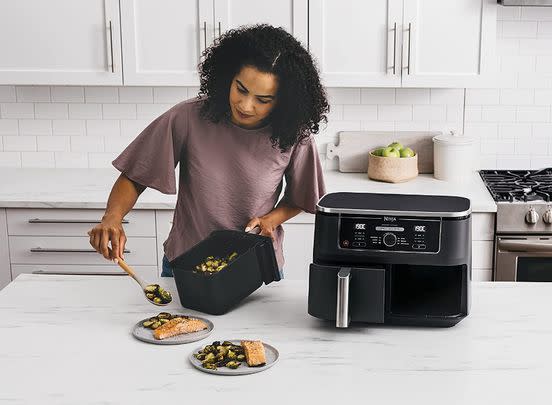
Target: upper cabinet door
x,y
357,42
163,40
448,43
60,42
289,14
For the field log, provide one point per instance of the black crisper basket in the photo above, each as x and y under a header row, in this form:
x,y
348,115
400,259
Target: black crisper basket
x,y
217,293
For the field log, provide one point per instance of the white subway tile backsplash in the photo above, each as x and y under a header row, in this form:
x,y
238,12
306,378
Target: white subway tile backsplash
x,y
513,162
377,125
536,13
117,144
533,114
412,126
543,97
7,94
71,159
498,113
517,96
119,111
516,63
101,160
67,94
9,127
473,113
101,95
85,111
135,95
360,112
38,159
336,112
29,94
377,96
131,128
542,131
412,96
10,159
531,146
170,95
535,81
17,110
343,95
508,13
429,112
19,143
507,46
51,110
544,29
35,127
535,46
519,29
53,143
87,144
68,127
515,130
539,162
482,96
455,113
108,128
151,111
497,147
395,112
447,96
481,130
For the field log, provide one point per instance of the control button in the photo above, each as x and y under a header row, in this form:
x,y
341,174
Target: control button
x,y
389,239
359,244
532,216
345,243
547,216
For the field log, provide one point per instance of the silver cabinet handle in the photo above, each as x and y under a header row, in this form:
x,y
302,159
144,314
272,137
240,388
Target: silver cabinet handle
x,y
110,52
219,29
394,48
524,246
68,221
205,34
409,35
48,250
82,273
342,317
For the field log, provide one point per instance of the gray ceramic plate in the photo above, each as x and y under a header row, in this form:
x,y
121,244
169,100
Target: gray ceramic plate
x,y
271,354
146,335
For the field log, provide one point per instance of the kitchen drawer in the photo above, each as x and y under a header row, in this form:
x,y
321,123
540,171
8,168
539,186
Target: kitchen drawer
x,y
142,251
148,273
72,222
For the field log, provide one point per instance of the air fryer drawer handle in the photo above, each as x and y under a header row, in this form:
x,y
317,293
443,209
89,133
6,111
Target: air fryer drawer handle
x,y
342,317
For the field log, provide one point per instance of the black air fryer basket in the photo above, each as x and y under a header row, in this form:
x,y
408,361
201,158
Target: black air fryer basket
x,y
217,293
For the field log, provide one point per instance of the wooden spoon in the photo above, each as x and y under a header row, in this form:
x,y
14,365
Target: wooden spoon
x,y
143,285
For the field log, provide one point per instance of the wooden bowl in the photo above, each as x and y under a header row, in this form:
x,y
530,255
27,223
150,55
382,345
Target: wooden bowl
x,y
392,169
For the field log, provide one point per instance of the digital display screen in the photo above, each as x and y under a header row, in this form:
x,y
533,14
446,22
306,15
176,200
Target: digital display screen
x,y
419,228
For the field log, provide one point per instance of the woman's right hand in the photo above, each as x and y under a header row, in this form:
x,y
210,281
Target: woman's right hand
x,y
109,232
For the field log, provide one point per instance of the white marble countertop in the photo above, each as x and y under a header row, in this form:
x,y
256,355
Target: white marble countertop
x,y
89,188
66,340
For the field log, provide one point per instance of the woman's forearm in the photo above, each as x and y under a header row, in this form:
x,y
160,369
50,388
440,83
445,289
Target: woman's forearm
x,y
122,198
281,214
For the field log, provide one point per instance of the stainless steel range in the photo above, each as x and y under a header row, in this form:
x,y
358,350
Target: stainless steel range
x,y
523,237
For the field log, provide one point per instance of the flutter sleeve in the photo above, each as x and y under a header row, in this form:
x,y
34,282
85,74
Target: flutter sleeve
x,y
151,159
304,177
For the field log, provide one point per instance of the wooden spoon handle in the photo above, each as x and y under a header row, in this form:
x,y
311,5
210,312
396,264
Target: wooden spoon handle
x,y
130,272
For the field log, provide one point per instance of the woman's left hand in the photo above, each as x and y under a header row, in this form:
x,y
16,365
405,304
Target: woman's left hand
x,y
265,224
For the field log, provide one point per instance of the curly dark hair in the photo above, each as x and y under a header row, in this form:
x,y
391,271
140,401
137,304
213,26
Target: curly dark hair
x,y
301,100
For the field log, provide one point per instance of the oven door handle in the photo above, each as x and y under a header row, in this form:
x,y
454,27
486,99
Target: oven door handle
x,y
525,246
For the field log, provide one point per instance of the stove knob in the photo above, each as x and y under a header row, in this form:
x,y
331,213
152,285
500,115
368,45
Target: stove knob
x,y
531,217
389,239
547,216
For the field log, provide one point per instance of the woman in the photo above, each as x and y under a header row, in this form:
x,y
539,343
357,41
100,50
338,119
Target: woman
x,y
260,101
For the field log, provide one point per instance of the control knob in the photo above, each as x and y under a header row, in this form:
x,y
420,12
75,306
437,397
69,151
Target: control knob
x,y
389,239
547,216
532,216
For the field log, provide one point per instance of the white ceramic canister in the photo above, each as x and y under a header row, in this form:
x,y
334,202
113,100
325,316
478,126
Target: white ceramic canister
x,y
453,157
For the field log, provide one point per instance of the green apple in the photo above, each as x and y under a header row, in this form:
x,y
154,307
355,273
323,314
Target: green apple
x,y
406,152
378,152
396,145
391,152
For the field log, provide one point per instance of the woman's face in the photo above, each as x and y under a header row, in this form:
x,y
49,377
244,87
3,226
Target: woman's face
x,y
252,96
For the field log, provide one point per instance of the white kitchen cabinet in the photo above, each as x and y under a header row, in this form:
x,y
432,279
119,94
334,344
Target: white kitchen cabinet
x,y
60,42
148,273
448,43
163,40
292,15
355,42
403,43
5,272
164,221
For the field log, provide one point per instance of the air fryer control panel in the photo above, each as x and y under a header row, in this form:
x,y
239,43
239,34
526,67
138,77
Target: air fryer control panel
x,y
390,233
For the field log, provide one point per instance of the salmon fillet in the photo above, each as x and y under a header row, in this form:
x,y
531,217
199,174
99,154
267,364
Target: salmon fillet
x,y
254,352
178,326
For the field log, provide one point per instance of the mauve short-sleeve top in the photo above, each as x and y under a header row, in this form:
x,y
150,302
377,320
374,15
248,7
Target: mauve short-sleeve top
x,y
228,174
